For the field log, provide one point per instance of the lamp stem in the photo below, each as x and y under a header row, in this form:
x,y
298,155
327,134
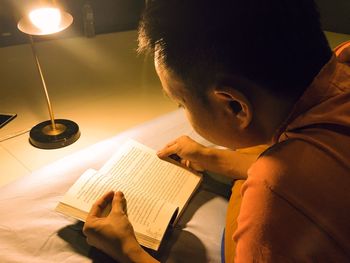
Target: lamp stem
x,y
43,83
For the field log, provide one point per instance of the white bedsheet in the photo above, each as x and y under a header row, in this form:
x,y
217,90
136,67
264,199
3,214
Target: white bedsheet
x,y
31,231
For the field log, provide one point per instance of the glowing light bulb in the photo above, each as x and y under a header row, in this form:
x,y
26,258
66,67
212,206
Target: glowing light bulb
x,y
46,19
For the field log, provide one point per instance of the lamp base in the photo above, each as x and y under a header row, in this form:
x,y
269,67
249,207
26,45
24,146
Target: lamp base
x,y
43,136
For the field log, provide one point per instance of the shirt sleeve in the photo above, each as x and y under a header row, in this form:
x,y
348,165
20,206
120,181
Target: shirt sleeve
x,y
261,217
271,228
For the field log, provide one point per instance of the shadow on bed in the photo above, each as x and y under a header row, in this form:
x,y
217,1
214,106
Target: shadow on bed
x,y
179,244
191,248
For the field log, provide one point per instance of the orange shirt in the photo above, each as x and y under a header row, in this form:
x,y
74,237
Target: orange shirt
x,y
295,203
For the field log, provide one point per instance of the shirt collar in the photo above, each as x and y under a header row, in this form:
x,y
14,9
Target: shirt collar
x,y
318,91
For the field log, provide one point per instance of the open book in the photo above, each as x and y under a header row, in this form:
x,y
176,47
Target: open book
x,y
156,190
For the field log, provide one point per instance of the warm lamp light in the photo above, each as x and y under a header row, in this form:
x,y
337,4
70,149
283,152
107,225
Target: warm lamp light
x,y
54,133
46,19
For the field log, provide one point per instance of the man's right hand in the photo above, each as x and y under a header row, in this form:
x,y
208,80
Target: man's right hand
x,y
191,153
232,164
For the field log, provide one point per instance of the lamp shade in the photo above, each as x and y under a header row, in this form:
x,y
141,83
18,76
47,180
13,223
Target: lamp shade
x,y
45,21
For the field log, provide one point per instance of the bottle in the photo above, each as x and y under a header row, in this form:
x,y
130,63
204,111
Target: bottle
x,y
88,20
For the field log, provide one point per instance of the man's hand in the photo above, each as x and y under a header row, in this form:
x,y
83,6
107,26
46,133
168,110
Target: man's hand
x,y
113,234
232,164
191,153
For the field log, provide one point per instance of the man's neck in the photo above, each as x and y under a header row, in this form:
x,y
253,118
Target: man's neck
x,y
272,114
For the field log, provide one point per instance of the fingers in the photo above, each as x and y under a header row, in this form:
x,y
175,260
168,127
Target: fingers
x,y
99,206
171,143
168,150
119,205
174,147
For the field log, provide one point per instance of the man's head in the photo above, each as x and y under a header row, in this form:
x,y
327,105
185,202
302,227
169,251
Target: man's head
x,y
237,50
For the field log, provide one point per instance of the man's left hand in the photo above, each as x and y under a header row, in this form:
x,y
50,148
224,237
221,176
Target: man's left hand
x,y
113,234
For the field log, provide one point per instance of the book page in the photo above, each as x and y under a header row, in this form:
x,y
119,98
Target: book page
x,y
139,166
149,216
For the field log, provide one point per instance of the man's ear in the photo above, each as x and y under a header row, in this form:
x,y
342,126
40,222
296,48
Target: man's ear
x,y
236,104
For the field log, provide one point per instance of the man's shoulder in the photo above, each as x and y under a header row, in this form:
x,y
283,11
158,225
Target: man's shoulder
x,y
307,177
298,166
293,188
279,160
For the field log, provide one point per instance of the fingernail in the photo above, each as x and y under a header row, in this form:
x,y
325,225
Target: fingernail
x,y
119,193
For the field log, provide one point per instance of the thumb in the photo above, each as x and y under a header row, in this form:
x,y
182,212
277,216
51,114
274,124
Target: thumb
x,y
100,205
168,150
119,205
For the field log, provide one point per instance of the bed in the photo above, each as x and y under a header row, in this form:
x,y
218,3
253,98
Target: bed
x,y
31,231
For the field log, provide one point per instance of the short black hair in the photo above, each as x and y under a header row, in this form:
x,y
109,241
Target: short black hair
x,y
278,44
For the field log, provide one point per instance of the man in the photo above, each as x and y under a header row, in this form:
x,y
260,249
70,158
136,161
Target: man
x,y
249,73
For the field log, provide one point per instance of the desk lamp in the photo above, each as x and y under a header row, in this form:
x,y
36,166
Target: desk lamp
x,y
50,134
